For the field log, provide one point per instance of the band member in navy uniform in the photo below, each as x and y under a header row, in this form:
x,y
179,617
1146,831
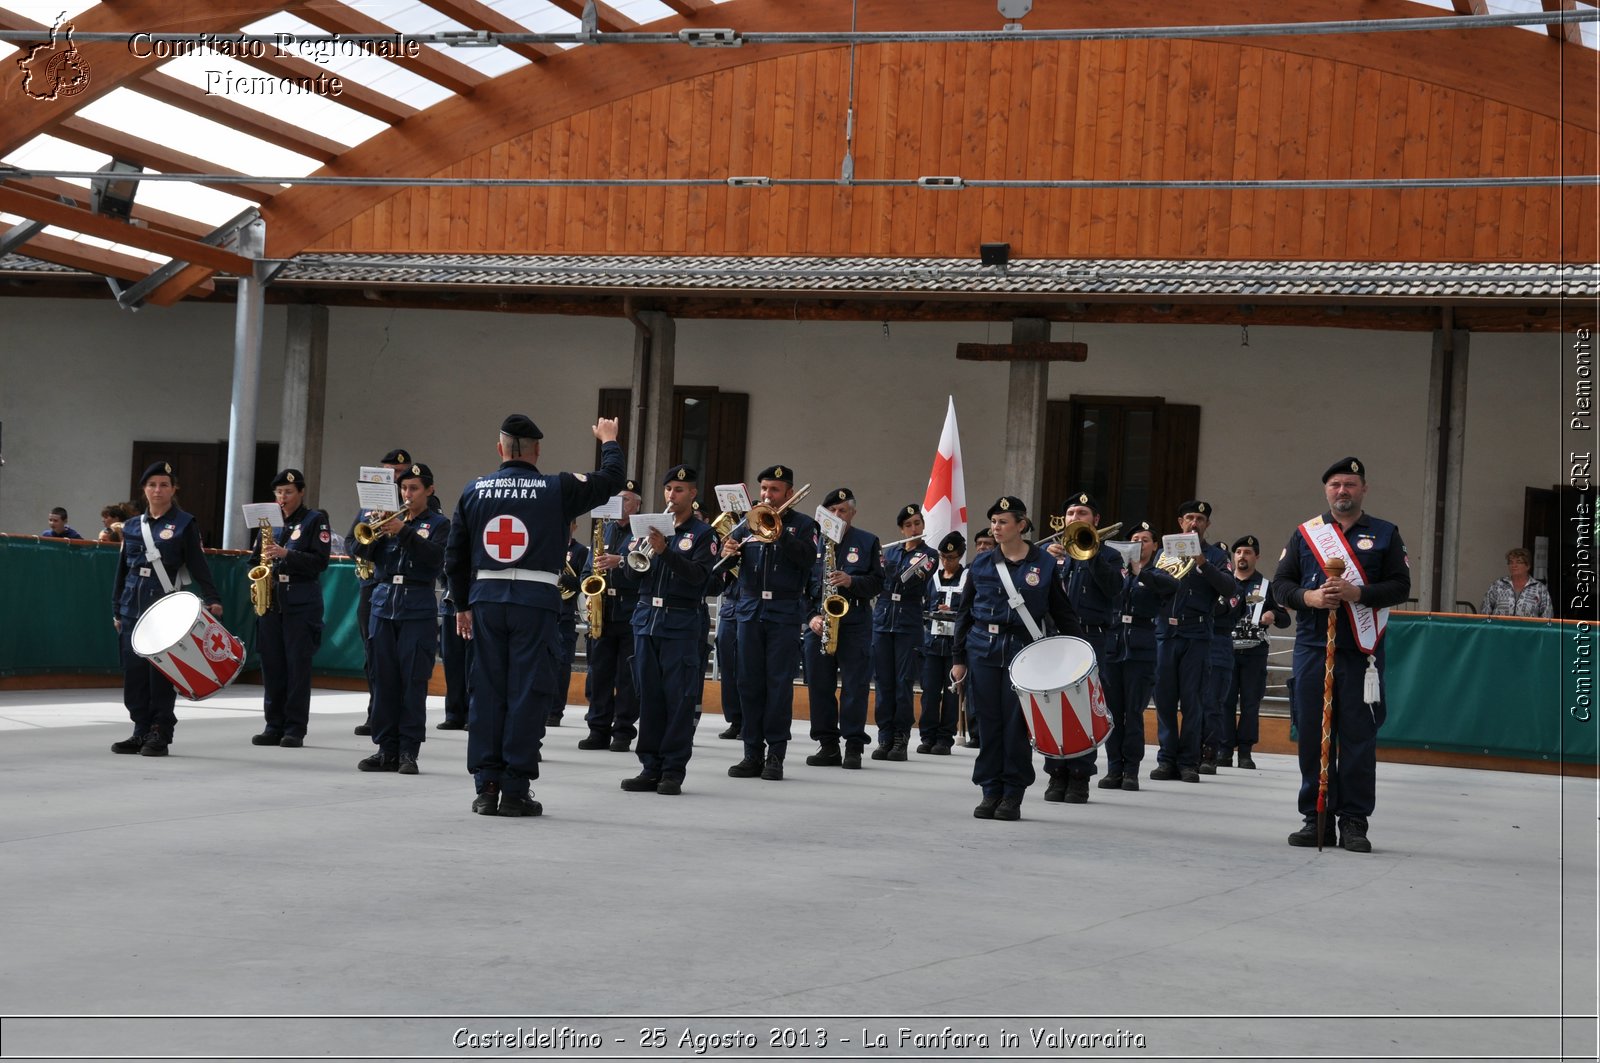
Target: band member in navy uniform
x,y
1183,647
1094,587
407,553
161,550
941,702
571,580
706,594
396,459
1377,576
770,609
288,634
507,541
857,577
1219,671
897,634
1130,671
989,634
613,703
1247,683
666,632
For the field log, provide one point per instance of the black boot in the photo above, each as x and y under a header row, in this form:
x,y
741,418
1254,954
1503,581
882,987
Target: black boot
x,y
730,732
773,771
898,750
986,807
1057,788
925,746
596,740
748,768
852,755
1245,760
1110,781
881,750
826,756
1078,789
487,803
379,761
1208,761
128,745
644,782
1306,836
154,745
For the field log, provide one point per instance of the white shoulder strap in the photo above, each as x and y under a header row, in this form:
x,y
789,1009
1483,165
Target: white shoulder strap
x,y
152,556
1015,600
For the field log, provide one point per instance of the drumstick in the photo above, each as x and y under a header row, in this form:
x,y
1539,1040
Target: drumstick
x,y
1335,570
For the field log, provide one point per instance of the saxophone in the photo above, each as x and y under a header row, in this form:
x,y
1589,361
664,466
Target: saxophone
x,y
261,578
594,585
834,604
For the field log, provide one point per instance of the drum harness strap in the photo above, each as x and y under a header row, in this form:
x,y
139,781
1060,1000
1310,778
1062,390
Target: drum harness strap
x,y
1014,599
153,559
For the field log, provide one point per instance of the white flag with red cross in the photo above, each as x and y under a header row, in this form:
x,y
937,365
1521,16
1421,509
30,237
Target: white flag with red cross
x,y
944,507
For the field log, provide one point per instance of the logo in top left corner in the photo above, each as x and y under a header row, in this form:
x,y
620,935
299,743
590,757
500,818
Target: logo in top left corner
x,y
54,69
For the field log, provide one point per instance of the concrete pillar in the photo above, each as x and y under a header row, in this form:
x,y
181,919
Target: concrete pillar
x,y
305,380
246,400
1440,540
1025,409
654,372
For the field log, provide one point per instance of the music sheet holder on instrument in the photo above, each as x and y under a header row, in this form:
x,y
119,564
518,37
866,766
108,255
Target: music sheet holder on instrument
x,y
642,524
256,513
384,497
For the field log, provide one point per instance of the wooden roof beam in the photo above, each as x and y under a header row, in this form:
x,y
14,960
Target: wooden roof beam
x,y
689,8
91,259
120,145
1570,32
438,68
159,220
224,111
28,205
1470,7
611,20
479,16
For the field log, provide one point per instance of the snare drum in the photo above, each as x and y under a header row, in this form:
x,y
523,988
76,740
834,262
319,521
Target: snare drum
x,y
186,644
1058,682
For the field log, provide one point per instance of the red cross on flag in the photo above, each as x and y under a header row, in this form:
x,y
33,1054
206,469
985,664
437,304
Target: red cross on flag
x,y
505,539
944,507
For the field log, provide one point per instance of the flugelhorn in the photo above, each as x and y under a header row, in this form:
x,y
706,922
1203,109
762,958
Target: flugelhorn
x,y
642,554
765,523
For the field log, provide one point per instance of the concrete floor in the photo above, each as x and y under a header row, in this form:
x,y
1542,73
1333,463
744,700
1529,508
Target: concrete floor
x,y
326,913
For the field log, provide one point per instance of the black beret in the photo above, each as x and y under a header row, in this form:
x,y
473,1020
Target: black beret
x,y
777,472
1194,505
1008,504
1248,540
290,478
520,426
157,468
1082,498
837,495
631,486
1142,526
398,456
982,533
678,474
415,471
907,511
1345,465
954,541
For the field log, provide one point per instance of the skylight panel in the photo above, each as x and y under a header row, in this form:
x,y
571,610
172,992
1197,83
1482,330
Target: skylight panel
x,y
195,135
318,114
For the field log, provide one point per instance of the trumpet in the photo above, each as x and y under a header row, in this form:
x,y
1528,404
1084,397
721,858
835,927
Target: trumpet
x,y
593,587
1083,540
765,522
367,530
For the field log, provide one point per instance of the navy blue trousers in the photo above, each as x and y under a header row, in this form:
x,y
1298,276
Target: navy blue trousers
x,y
1127,686
456,652
663,673
364,625
148,695
613,702
896,657
842,713
287,641
941,703
568,626
1353,753
728,667
769,653
1219,675
1241,708
514,664
1181,666
1004,764
403,652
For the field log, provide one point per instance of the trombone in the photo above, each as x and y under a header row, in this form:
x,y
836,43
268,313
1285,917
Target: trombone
x,y
1082,539
765,522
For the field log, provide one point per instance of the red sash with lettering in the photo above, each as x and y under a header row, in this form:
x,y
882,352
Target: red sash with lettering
x,y
1327,542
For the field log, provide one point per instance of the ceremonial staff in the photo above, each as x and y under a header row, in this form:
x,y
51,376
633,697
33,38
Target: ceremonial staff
x,y
1335,567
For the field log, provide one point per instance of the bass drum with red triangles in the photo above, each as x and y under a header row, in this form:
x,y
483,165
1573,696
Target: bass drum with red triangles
x,y
1058,683
187,645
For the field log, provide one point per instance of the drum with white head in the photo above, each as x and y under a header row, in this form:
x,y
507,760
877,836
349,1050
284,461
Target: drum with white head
x,y
186,644
1058,683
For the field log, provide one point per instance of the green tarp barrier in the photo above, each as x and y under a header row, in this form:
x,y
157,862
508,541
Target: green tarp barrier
x,y
1481,685
57,616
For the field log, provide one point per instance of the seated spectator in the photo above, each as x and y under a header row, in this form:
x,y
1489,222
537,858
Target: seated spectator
x,y
1518,593
59,529
112,518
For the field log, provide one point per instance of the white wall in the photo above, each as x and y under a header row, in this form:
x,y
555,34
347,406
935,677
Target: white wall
x,y
846,404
